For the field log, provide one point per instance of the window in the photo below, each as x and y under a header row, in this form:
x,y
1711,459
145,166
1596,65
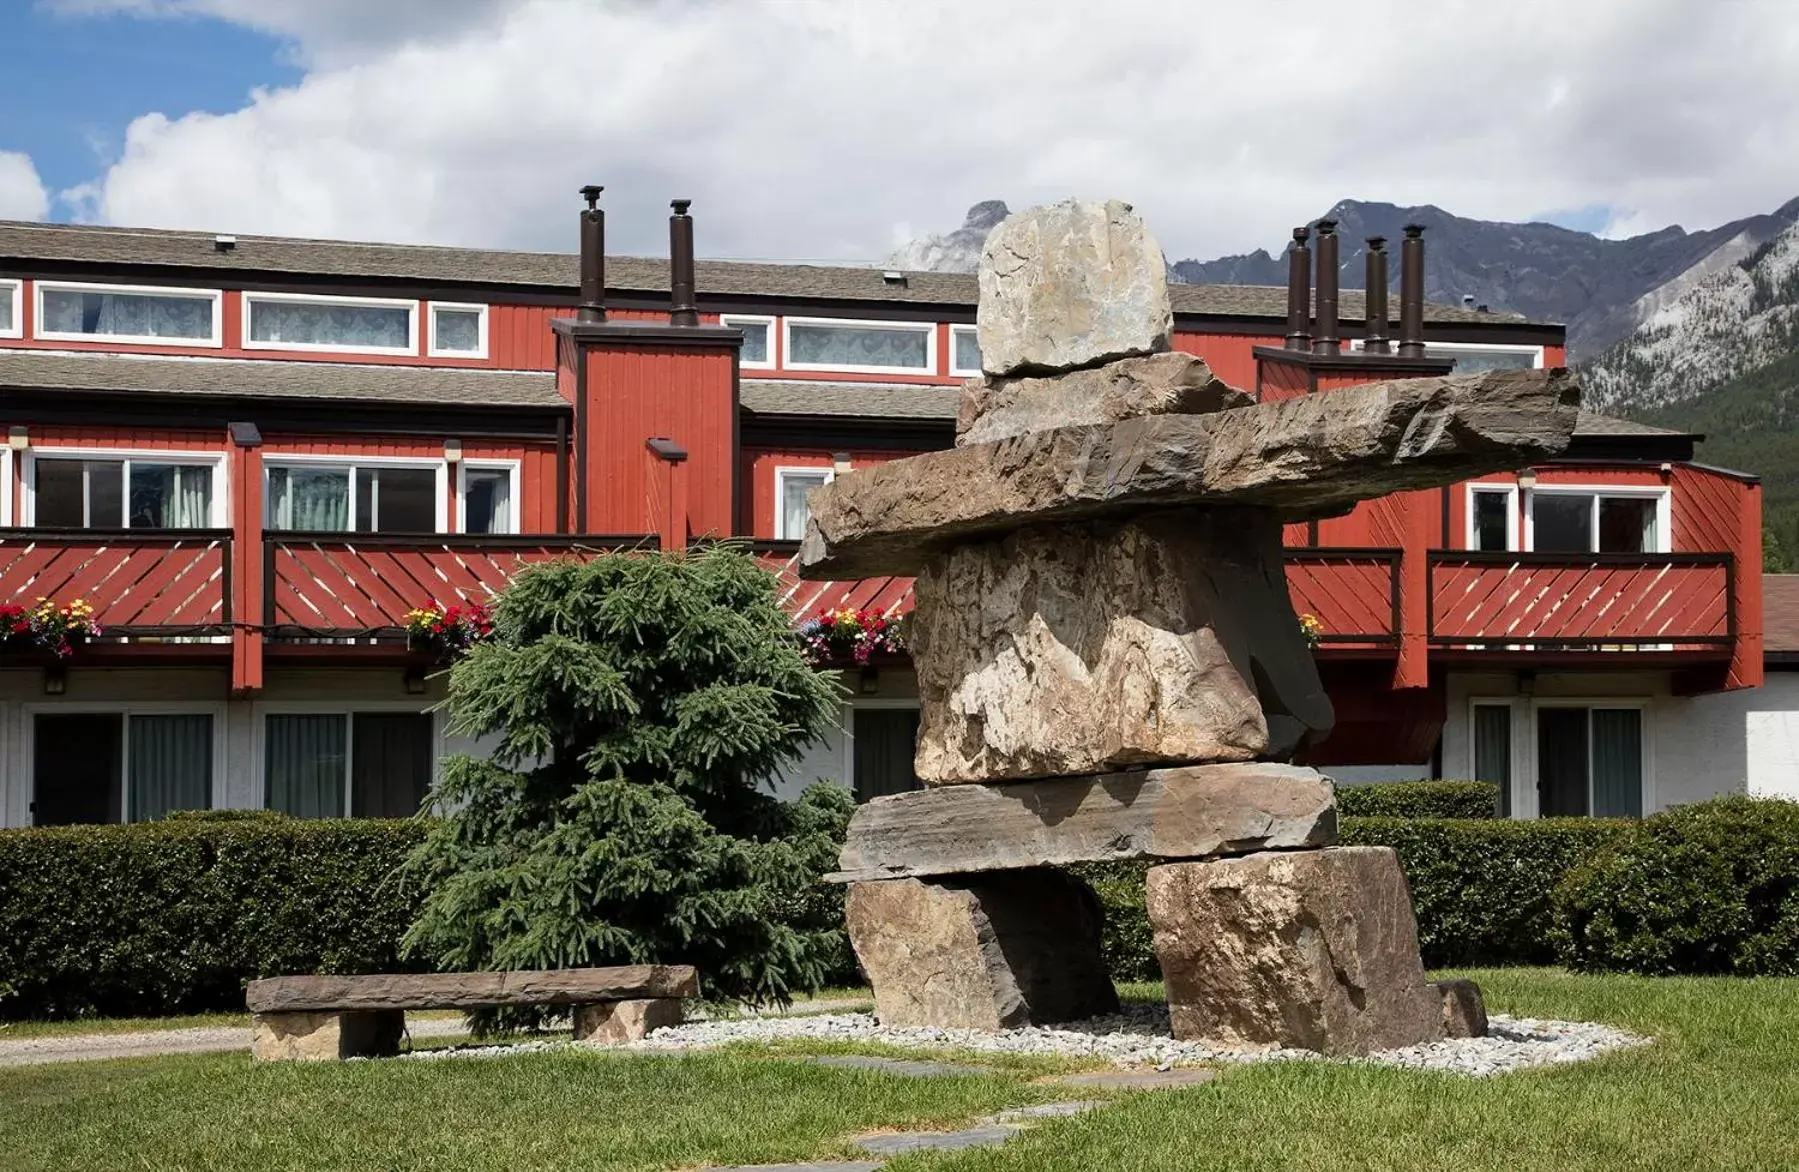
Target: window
x,y
487,499
357,325
119,766
884,741
964,350
1492,517
458,331
758,339
1493,750
1589,761
1471,357
12,298
876,347
791,509
121,492
361,764
127,313
344,498
1580,521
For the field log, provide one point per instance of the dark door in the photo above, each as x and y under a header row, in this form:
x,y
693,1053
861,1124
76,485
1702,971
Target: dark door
x,y
390,763
76,768
885,741
1562,762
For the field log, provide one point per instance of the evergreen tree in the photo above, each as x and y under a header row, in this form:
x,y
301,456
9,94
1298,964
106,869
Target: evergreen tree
x,y
640,701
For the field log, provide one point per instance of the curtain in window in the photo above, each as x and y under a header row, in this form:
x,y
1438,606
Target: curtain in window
x,y
170,765
487,501
69,311
886,739
308,324
755,340
1617,762
170,496
1493,750
968,349
392,759
7,320
858,346
310,498
303,762
457,330
794,510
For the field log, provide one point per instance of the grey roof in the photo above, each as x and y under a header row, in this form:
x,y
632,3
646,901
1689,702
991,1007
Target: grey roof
x,y
277,379
1591,423
866,400
21,241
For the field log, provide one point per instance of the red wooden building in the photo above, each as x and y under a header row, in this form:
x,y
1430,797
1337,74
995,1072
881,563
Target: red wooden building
x,y
253,455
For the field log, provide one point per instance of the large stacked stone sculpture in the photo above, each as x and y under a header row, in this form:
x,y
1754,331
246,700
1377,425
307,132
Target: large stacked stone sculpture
x,y
1109,665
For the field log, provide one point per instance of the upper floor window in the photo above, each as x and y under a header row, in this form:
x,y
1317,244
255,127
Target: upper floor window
x,y
458,331
791,509
331,497
11,308
488,498
353,325
127,313
964,350
135,492
1586,521
874,347
758,339
1492,517
1471,357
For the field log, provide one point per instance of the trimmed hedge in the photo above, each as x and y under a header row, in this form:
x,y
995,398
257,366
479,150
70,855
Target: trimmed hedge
x,y
173,916
1706,888
1419,799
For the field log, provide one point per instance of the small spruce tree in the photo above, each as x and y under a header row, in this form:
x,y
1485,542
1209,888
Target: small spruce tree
x,y
640,700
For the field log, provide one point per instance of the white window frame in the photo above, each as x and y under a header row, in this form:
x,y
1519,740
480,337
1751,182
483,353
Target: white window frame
x,y
1661,494
782,475
511,468
127,709
313,460
259,736
768,320
6,503
1537,353
1469,533
1644,727
217,297
250,297
221,507
953,368
433,350
928,329
15,326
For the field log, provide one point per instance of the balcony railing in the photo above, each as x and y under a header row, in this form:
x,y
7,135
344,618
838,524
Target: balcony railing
x,y
142,584
1596,601
1353,593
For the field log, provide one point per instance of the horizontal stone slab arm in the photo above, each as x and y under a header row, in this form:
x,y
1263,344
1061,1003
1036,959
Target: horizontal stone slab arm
x,y
1312,454
1186,812
471,990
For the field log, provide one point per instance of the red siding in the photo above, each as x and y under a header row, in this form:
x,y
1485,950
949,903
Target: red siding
x,y
1230,356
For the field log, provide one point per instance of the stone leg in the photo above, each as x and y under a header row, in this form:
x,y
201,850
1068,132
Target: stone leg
x,y
1090,646
1314,950
986,952
1464,1009
610,1023
315,1037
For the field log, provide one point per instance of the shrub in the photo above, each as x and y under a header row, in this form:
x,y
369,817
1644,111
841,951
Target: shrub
x,y
174,916
1706,888
1419,799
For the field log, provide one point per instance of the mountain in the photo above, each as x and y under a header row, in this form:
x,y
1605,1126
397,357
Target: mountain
x,y
1602,289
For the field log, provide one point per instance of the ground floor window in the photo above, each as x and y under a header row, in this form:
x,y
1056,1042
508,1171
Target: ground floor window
x,y
885,740
119,766
362,764
1589,761
1493,750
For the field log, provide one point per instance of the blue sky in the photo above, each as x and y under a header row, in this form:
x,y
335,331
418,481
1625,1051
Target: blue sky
x,y
70,84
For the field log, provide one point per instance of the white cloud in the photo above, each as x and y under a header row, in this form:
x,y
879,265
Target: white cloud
x,y
817,130
22,194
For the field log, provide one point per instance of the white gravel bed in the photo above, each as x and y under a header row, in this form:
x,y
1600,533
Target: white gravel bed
x,y
1140,1036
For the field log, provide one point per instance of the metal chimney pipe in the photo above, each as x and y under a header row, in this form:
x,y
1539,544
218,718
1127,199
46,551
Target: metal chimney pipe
x,y
682,310
1325,340
1299,292
1375,298
593,258
1411,292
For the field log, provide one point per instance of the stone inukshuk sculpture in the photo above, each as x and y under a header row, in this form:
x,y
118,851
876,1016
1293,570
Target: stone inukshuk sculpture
x,y
1109,665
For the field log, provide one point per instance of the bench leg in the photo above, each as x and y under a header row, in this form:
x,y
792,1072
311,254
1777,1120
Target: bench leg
x,y
609,1023
315,1037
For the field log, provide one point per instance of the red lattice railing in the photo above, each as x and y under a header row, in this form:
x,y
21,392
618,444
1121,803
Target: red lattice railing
x,y
337,585
141,583
1353,593
802,599
1662,600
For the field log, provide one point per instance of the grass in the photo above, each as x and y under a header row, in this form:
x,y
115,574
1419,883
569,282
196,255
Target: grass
x,y
1719,1090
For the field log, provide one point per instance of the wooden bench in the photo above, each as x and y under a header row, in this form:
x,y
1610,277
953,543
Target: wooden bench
x,y
321,1017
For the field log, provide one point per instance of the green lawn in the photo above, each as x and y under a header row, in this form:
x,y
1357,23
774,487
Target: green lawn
x,y
1719,1090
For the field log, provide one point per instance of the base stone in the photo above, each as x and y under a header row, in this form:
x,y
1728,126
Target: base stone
x,y
1464,1009
991,952
319,1037
611,1023
1314,950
